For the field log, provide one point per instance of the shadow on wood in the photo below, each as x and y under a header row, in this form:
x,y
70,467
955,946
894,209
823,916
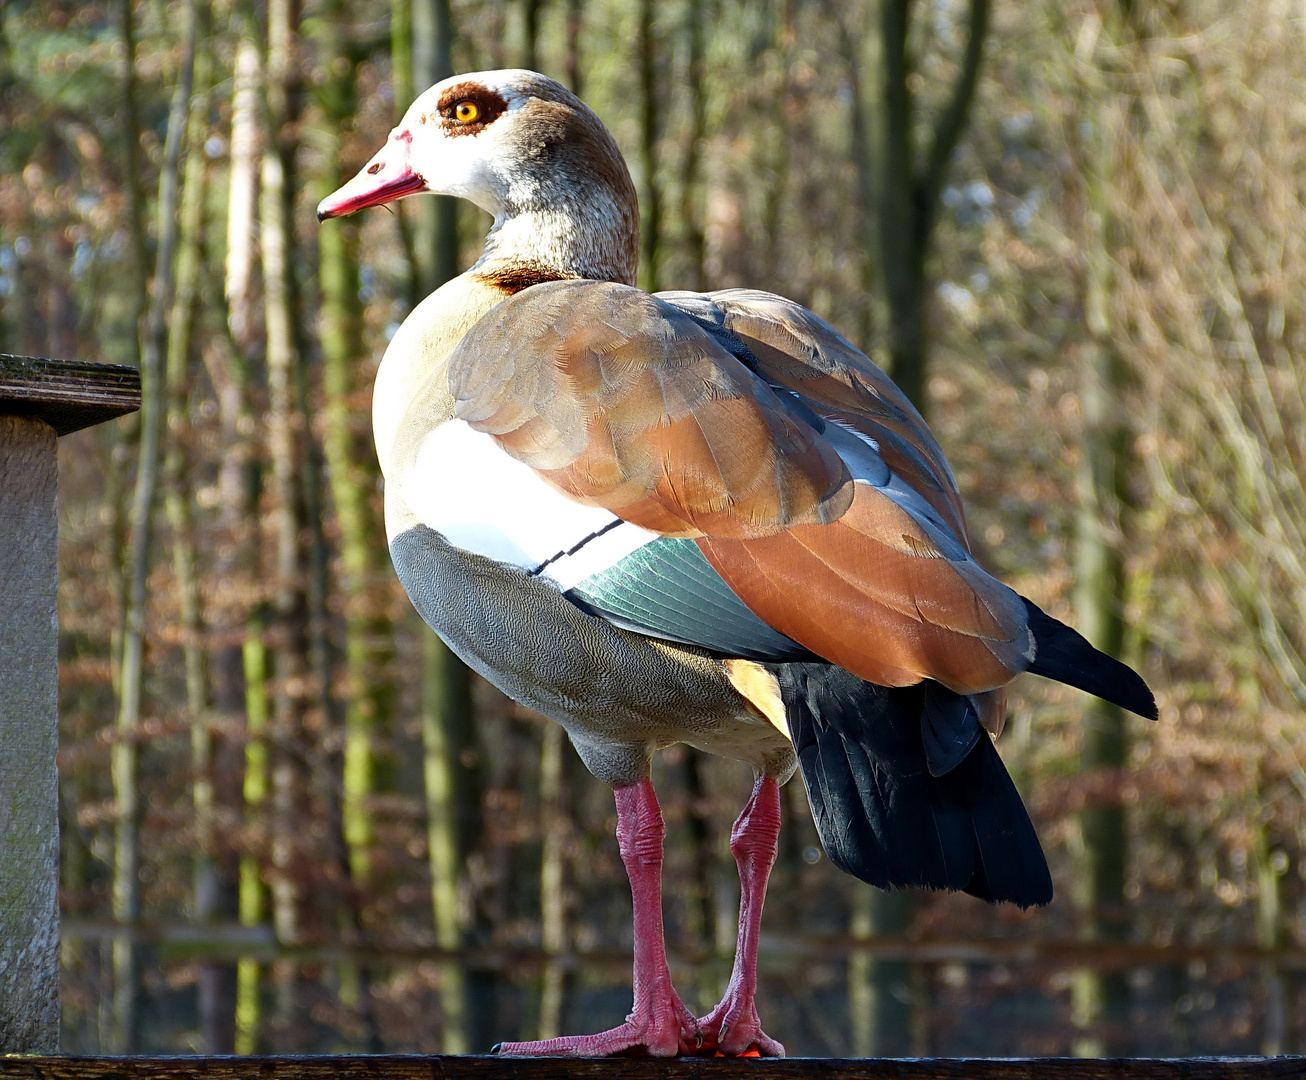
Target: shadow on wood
x,y
496,1068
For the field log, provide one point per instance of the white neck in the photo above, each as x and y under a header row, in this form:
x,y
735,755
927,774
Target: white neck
x,y
561,243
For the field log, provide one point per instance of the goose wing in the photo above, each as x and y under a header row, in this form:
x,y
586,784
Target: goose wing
x,y
621,400
794,348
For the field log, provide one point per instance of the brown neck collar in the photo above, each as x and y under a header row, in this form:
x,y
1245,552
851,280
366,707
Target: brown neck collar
x,y
512,277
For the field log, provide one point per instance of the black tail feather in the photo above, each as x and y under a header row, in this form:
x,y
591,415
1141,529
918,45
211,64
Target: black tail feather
x,y
950,727
1065,655
883,817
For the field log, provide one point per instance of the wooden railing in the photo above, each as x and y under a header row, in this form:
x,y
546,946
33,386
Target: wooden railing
x,y
230,941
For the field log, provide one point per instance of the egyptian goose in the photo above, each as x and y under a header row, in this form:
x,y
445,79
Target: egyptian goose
x,y
699,518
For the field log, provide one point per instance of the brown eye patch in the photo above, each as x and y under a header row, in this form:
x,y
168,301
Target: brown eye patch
x,y
467,108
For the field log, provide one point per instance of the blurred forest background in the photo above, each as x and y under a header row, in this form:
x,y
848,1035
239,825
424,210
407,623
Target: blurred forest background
x,y
1074,230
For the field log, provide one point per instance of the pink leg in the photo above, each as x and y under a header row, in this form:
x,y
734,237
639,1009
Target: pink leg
x,y
732,1027
659,1025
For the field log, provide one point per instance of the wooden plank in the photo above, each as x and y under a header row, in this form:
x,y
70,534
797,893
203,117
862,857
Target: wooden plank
x,y
780,952
29,737
67,394
376,1067
39,400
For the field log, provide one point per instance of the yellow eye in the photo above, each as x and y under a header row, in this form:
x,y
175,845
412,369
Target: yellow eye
x,y
466,111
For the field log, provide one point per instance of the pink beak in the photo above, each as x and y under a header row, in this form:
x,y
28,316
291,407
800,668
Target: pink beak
x,y
387,177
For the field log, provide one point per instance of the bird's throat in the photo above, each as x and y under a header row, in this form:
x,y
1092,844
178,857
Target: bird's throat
x,y
595,238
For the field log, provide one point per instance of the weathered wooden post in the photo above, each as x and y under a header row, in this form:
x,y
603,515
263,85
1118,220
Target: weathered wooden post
x,y
39,401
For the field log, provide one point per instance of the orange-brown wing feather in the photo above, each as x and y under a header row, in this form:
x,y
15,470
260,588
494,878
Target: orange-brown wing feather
x,y
799,350
620,401
880,598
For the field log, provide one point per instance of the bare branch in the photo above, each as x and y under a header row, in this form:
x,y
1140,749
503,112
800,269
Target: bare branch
x,y
952,121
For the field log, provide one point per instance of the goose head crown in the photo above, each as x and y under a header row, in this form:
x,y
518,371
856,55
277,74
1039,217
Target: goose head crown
x,y
527,150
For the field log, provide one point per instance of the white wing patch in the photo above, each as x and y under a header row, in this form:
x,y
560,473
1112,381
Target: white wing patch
x,y
478,498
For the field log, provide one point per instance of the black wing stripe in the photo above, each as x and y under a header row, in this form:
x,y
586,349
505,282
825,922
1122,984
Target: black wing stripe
x,y
574,547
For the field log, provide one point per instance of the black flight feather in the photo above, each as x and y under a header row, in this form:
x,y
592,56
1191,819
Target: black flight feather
x,y
1065,655
881,814
950,728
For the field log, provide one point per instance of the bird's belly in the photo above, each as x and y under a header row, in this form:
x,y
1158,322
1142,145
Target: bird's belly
x,y
620,695
462,485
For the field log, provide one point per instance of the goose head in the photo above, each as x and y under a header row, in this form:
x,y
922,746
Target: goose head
x,y
527,150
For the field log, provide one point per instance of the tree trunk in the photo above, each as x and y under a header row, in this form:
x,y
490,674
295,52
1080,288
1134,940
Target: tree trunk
x,y
215,982
450,800
773,119
452,794
369,650
126,879
575,18
288,635
124,753
701,906
530,15
880,992
401,54
904,186
861,139
691,203
1100,1001
242,191
436,233
908,188
650,227
252,896
553,905
239,655
1277,983
401,77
